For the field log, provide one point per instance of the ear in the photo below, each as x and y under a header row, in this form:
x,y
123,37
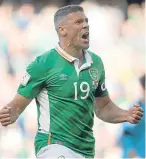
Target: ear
x,y
62,31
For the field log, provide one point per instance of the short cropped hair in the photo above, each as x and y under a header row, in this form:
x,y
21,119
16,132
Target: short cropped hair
x,y
64,11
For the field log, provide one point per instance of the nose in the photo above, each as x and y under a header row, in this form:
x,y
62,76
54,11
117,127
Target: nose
x,y
85,25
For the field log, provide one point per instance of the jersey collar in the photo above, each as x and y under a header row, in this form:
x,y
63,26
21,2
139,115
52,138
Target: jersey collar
x,y
71,58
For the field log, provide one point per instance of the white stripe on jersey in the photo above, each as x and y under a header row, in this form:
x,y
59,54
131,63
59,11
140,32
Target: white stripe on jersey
x,y
44,119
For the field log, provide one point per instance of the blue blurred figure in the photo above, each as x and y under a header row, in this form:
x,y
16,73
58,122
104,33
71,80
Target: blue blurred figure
x,y
132,139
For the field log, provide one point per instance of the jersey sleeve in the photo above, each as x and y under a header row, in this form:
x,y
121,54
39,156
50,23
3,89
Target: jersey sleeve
x,y
101,90
33,80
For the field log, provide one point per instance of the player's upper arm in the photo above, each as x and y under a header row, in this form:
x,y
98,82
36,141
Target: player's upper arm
x,y
33,80
101,102
101,93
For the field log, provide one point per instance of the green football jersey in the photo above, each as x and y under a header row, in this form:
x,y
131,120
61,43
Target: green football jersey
x,y
64,95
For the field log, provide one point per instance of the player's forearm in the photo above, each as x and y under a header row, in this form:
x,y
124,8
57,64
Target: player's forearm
x,y
111,113
17,106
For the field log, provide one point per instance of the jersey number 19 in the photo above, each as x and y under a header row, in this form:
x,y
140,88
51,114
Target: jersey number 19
x,y
84,87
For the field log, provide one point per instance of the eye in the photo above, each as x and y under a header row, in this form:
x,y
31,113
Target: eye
x,y
78,22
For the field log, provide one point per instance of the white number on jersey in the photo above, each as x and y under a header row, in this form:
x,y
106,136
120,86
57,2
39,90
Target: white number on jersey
x,y
86,91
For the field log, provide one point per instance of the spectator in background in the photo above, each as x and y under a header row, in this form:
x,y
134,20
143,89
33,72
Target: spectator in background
x,y
132,139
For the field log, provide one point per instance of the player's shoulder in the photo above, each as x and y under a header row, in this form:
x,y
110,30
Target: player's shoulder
x,y
46,58
94,56
42,62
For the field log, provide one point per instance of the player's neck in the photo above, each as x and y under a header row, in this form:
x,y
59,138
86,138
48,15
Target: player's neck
x,y
71,50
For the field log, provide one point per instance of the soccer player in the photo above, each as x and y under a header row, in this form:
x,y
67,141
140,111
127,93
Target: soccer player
x,y
68,84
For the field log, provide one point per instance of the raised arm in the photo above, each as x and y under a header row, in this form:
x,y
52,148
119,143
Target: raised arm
x,y
10,113
30,87
106,110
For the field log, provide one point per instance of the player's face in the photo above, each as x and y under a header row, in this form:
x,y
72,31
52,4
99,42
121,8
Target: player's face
x,y
77,29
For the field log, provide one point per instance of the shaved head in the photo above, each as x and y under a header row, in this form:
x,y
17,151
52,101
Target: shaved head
x,y
63,12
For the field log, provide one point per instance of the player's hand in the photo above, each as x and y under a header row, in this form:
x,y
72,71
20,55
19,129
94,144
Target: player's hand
x,y
5,116
134,114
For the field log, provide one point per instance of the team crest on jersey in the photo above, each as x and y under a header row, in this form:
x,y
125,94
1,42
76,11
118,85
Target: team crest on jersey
x,y
94,74
25,79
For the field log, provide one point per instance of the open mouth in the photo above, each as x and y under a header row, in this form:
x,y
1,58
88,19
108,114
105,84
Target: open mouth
x,y
85,36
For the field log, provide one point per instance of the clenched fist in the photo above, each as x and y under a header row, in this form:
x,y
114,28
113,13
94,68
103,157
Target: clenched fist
x,y
134,114
6,116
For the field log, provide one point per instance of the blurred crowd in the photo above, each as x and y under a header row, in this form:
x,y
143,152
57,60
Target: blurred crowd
x,y
26,33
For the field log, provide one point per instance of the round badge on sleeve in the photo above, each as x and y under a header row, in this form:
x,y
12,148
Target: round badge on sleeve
x,y
25,79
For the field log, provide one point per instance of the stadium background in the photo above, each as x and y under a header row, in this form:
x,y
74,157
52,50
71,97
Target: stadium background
x,y
117,35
